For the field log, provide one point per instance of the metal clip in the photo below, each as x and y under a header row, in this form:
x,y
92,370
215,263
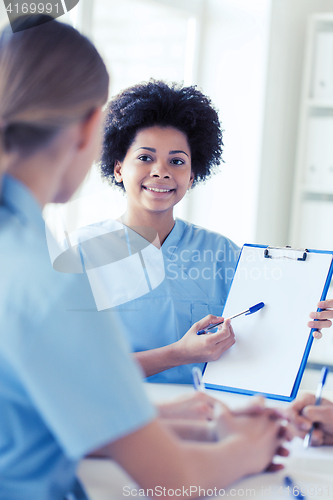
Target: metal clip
x,y
303,250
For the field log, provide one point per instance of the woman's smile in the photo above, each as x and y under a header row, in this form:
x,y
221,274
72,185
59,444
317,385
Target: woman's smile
x,y
159,190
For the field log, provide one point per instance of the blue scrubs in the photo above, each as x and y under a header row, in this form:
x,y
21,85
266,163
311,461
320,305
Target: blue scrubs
x,y
187,279
199,267
67,382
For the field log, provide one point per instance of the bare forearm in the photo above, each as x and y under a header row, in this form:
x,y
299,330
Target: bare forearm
x,y
215,466
193,430
157,360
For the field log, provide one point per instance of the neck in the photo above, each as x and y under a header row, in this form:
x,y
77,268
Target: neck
x,y
162,222
43,171
40,185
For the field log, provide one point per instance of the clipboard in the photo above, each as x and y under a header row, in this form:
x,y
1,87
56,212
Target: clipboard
x,y
272,346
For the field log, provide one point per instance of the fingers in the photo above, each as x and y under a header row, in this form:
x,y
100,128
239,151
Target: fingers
x,y
317,334
220,348
208,408
317,438
282,451
224,334
215,344
325,304
323,317
286,432
322,414
328,439
303,413
204,398
319,324
224,331
302,425
274,467
301,402
325,314
257,407
226,344
198,406
295,413
209,346
219,409
206,321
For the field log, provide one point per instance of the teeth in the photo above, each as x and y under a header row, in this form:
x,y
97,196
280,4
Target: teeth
x,y
158,190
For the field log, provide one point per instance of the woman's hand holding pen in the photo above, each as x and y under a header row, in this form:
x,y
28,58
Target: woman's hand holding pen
x,y
191,348
302,413
323,317
195,348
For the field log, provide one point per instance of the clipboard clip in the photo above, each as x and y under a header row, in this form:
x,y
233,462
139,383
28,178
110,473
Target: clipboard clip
x,y
304,252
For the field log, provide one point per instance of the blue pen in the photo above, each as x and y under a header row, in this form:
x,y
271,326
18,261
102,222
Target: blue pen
x,y
197,379
323,377
247,312
294,490
200,387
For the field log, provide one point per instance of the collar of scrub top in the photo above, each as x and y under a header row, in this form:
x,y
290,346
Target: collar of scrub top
x,y
173,237
19,200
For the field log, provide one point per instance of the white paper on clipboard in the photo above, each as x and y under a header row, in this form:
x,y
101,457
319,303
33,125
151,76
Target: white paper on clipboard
x,y
272,343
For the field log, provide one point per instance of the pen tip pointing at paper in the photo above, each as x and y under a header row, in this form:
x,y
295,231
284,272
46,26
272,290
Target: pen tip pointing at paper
x,y
256,307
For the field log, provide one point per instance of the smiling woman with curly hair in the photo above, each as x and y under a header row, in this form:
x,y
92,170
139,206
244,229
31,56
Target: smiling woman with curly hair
x,y
161,140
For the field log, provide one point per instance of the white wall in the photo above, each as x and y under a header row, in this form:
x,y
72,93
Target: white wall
x,y
232,72
229,66
245,44
286,50
140,39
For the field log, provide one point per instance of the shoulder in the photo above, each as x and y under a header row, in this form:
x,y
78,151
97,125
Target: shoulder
x,y
96,229
29,284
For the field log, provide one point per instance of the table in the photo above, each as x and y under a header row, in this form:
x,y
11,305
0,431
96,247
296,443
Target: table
x,y
311,470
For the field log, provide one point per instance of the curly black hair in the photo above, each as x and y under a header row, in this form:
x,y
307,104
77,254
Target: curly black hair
x,y
156,103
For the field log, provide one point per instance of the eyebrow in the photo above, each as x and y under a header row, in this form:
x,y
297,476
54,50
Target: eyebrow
x,y
149,149
153,150
177,151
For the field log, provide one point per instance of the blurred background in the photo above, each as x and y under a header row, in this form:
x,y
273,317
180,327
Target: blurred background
x,y
267,65
248,56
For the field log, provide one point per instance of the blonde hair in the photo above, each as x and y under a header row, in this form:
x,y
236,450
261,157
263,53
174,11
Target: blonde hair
x,y
50,76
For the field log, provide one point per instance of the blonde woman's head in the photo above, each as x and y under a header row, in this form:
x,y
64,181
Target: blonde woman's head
x,y
51,76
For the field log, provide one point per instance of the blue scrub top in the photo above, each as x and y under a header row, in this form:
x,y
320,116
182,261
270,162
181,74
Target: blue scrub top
x,y
67,382
198,269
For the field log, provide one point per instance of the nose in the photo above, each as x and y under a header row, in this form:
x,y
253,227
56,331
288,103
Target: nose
x,y
160,170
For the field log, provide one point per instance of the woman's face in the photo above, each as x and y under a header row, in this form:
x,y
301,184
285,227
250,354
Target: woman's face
x,y
88,137
156,170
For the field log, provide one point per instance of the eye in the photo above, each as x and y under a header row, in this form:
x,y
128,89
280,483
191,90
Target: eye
x,y
144,158
177,161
